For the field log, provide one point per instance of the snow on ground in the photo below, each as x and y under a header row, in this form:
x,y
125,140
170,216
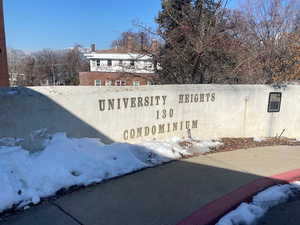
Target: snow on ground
x,y
259,139
205,146
248,213
9,91
12,92
27,177
10,141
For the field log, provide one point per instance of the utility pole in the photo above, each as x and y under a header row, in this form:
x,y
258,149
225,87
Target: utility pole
x,y
4,77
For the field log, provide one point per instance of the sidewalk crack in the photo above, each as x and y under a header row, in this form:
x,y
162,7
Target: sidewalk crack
x,y
66,213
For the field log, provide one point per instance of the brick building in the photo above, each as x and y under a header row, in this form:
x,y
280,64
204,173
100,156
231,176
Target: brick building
x,y
119,67
4,77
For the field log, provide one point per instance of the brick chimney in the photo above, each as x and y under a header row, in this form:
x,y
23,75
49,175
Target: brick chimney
x,y
129,43
154,45
93,48
4,77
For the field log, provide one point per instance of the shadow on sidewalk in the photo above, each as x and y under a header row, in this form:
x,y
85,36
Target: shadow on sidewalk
x,y
163,195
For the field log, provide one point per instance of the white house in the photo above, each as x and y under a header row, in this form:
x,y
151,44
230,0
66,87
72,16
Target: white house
x,y
119,67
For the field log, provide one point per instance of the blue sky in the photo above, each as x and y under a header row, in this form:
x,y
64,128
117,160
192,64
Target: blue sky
x,y
37,24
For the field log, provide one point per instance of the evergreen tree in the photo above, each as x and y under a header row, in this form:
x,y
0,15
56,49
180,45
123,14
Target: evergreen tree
x,y
172,13
193,52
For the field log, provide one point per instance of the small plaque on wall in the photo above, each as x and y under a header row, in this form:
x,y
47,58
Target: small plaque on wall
x,y
274,102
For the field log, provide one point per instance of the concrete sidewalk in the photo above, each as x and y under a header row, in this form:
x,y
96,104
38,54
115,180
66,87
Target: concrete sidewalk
x,y
163,195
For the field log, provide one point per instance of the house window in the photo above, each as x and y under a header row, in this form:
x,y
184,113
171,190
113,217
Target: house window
x,y
118,83
120,62
97,82
136,83
98,62
132,62
109,62
108,83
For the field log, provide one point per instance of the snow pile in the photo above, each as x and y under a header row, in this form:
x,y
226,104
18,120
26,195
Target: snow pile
x,y
248,213
206,145
27,177
10,141
197,146
12,92
9,91
259,139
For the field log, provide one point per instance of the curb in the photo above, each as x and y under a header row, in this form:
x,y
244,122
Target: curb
x,y
215,210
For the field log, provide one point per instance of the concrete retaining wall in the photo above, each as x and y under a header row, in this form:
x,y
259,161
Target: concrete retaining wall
x,y
133,114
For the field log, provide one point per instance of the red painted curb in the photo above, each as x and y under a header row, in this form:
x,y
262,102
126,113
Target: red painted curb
x,y
215,210
288,176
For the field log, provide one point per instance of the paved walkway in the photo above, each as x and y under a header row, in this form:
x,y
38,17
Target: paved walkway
x,y
163,195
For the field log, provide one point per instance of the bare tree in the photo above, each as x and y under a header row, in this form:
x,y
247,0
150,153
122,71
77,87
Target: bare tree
x,y
265,34
74,62
48,67
15,58
139,40
28,68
